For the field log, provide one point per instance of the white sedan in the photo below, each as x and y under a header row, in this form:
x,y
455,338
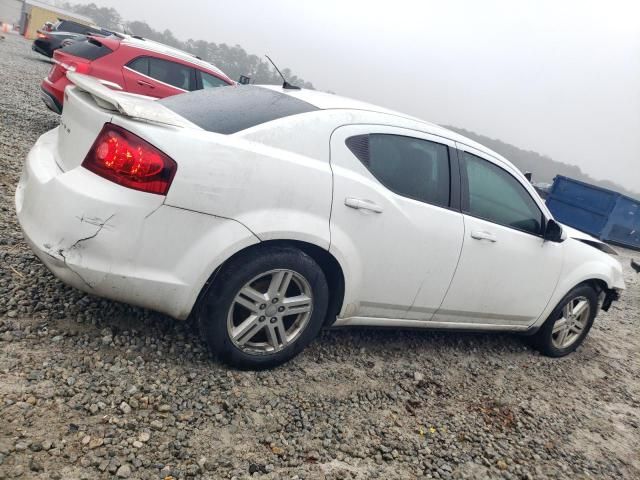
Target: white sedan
x,y
268,213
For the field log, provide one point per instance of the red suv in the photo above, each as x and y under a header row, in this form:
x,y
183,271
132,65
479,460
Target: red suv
x,y
134,64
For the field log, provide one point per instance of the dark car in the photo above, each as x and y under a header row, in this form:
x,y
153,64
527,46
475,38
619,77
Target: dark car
x,y
61,34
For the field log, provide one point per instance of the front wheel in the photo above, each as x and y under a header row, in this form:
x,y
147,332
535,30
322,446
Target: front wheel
x,y
265,307
569,323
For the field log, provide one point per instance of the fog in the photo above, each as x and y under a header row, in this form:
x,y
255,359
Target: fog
x,y
560,78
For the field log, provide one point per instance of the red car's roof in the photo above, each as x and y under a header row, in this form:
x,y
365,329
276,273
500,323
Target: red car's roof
x,y
155,49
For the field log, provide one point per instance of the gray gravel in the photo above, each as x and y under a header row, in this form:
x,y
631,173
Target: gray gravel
x,y
95,389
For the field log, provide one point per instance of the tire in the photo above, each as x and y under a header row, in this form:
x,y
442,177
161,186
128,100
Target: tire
x,y
272,337
549,341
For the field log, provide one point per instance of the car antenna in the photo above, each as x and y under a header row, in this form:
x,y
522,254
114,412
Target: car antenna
x,y
285,84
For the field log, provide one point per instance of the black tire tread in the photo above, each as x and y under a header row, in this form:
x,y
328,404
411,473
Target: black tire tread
x,y
212,316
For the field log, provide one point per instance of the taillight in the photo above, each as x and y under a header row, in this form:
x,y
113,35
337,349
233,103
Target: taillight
x,y
42,35
80,67
75,66
124,158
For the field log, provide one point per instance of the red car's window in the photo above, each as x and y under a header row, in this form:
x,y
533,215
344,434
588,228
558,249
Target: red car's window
x,y
211,81
140,65
90,49
171,73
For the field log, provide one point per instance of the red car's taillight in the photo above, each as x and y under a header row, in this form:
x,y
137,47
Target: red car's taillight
x,y
79,67
124,158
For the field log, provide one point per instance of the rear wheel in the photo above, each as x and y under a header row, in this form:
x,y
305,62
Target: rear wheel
x,y
264,307
569,323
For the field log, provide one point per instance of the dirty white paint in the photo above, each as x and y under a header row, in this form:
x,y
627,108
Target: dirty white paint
x,y
288,179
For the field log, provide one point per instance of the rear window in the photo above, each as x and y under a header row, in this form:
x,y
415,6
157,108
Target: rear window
x,y
89,49
73,27
230,110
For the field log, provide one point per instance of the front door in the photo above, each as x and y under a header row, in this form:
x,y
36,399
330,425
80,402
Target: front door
x,y
392,219
507,272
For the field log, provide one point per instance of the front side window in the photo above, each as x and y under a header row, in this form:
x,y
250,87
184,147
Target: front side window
x,y
408,166
211,81
495,195
172,73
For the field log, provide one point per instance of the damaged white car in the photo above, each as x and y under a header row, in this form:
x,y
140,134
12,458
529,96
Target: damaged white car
x,y
268,213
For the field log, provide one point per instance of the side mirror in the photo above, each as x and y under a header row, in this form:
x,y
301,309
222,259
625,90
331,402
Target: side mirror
x,y
553,231
244,80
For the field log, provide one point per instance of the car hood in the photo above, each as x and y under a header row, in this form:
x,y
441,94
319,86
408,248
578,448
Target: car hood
x,y
588,239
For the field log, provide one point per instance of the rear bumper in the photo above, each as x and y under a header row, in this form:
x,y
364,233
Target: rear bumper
x,y
115,242
38,47
50,100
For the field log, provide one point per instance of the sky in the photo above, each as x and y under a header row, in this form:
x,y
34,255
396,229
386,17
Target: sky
x,y
558,77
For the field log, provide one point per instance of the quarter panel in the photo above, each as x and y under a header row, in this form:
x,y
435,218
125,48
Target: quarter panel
x,y
273,192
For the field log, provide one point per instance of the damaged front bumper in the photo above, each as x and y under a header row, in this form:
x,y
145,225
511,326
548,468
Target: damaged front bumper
x,y
608,297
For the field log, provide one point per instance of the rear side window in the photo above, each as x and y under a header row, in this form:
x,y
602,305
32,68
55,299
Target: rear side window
x,y
140,65
172,73
90,49
230,110
495,195
411,167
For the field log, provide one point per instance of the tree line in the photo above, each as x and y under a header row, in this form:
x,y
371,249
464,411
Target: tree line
x,y
544,168
233,60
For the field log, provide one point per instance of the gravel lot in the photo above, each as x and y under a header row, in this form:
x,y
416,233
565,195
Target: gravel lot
x,y
95,389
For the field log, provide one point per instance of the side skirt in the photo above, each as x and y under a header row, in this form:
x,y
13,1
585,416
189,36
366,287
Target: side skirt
x,y
426,324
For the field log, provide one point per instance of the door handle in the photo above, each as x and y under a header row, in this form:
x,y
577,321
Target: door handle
x,y
361,204
481,235
142,83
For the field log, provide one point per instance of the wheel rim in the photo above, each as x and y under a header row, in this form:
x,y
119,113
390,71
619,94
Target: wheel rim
x,y
568,328
270,312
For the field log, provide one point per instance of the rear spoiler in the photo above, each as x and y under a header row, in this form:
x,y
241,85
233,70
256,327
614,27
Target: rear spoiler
x,y
127,104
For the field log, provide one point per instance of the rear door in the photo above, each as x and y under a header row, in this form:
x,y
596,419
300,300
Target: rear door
x,y
157,77
507,272
393,217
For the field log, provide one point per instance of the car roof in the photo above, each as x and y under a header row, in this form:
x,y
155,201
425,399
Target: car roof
x,y
156,47
328,101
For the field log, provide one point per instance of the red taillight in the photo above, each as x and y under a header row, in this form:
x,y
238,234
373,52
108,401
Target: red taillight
x,y
124,158
80,67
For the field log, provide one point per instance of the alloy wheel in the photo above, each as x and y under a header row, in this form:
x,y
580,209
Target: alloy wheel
x,y
567,329
270,312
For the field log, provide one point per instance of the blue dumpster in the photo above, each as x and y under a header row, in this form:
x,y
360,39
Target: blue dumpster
x,y
605,214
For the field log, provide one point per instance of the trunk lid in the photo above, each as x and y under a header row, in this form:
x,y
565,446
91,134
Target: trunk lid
x,y
80,123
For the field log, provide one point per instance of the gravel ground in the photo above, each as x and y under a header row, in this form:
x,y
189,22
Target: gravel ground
x,y
95,389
